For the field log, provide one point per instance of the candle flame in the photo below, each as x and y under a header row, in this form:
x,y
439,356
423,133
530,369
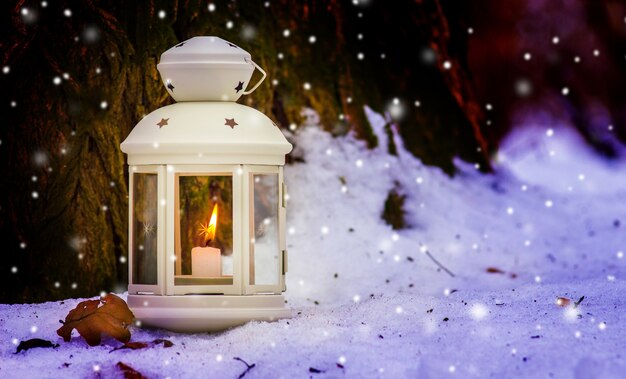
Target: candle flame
x,y
208,230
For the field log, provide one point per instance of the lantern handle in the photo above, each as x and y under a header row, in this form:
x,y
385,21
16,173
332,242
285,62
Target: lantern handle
x,y
259,82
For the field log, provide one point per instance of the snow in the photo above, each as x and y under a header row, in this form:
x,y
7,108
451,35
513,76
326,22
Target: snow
x,y
369,302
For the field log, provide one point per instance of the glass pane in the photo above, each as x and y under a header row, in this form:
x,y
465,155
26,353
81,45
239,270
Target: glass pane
x,y
205,230
144,228
264,247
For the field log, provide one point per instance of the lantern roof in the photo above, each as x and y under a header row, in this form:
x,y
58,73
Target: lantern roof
x,y
206,133
205,50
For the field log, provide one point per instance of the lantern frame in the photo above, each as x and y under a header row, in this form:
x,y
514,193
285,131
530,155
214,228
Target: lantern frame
x,y
139,288
173,174
198,143
167,258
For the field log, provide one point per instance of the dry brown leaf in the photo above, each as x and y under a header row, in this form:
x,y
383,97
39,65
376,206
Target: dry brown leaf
x,y
495,270
143,345
136,345
166,343
91,320
131,345
562,301
129,372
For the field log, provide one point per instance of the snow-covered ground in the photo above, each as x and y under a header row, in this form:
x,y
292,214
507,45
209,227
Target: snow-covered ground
x,y
370,302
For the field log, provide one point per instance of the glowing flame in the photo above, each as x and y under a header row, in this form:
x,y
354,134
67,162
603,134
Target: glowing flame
x,y
208,230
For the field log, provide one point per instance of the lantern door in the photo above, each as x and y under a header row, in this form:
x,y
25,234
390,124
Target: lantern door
x,y
204,252
146,220
263,229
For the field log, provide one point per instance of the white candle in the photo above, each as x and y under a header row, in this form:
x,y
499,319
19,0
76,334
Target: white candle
x,y
206,262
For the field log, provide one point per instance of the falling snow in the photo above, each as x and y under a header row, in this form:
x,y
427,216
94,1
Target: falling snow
x,y
368,301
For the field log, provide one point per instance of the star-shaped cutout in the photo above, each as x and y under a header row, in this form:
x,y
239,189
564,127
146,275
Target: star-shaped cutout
x,y
180,44
148,228
170,86
232,45
239,87
230,122
163,122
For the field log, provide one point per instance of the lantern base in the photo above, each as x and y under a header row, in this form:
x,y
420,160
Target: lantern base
x,y
206,313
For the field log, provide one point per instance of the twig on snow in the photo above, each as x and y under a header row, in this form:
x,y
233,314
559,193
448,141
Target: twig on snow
x,y
444,268
248,366
577,303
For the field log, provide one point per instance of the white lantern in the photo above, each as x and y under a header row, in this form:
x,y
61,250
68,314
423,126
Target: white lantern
x,y
207,198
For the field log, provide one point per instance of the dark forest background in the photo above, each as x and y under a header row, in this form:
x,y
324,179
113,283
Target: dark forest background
x,y
78,75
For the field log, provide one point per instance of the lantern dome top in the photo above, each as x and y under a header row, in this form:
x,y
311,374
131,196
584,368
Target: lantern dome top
x,y
206,133
208,69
